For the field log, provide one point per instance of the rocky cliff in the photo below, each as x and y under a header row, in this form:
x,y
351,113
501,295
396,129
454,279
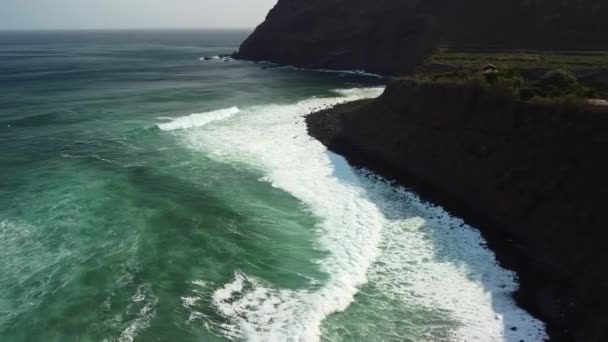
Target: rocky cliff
x,y
394,36
531,176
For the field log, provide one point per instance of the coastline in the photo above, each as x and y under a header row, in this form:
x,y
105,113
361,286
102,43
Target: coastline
x,y
527,170
547,290
528,278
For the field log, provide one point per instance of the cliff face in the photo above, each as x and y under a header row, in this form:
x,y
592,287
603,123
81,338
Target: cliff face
x,y
394,36
380,36
532,177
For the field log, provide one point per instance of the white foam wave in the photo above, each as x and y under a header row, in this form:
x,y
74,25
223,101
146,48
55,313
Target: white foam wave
x,y
366,235
144,303
198,120
434,260
223,58
206,58
343,72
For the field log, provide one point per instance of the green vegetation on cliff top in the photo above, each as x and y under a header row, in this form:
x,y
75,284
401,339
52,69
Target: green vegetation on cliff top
x,y
530,75
567,60
553,86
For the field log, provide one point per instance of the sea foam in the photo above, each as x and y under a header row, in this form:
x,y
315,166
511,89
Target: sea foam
x,y
197,119
330,71
144,304
415,253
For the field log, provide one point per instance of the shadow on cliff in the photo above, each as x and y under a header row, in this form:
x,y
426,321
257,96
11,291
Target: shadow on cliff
x,y
453,242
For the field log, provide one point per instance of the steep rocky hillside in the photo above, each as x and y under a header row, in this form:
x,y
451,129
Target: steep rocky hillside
x,y
394,36
531,176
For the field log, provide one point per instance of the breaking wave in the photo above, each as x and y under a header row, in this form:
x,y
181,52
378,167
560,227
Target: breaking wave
x,y
198,119
415,253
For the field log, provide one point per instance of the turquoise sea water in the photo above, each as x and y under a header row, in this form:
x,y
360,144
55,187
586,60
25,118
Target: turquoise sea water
x,y
149,195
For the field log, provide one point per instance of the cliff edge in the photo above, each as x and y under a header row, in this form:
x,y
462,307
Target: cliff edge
x,y
531,176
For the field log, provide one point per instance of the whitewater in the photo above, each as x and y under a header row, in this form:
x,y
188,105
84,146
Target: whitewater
x,y
149,195
373,232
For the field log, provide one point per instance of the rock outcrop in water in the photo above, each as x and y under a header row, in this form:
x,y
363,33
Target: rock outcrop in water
x,y
531,176
394,36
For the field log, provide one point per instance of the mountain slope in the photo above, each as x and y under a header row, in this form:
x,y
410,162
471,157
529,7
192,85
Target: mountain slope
x,y
394,36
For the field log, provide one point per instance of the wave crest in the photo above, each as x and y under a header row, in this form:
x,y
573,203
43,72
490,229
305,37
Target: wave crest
x,y
373,232
198,119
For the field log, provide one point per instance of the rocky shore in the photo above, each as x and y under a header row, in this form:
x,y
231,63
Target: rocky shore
x,y
530,176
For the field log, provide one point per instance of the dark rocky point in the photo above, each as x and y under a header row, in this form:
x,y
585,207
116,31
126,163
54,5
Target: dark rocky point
x,y
537,191
395,36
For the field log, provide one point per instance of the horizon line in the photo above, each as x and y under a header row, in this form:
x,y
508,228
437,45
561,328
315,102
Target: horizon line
x,y
130,29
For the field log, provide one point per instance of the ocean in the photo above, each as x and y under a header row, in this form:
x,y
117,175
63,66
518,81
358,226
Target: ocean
x,y
148,194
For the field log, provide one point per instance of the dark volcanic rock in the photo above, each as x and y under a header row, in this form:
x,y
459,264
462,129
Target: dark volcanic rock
x,y
382,36
394,36
532,177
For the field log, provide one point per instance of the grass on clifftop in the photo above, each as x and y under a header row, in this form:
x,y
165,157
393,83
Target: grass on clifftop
x,y
566,60
554,85
533,75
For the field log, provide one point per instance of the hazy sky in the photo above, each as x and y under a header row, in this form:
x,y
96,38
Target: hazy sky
x,y
72,14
